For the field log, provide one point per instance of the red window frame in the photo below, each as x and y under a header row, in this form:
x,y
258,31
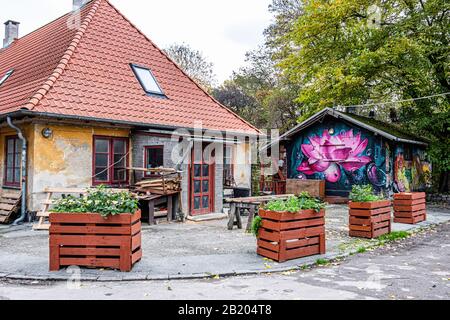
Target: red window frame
x,y
149,174
110,153
15,166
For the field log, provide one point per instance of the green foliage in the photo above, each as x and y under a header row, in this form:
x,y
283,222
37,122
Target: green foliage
x,y
363,193
393,236
256,224
296,204
322,262
99,200
361,250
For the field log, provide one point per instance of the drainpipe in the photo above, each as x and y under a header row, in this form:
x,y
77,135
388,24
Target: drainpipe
x,y
23,213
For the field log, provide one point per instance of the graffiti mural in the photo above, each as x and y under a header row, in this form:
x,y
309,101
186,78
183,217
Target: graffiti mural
x,y
341,155
412,170
344,155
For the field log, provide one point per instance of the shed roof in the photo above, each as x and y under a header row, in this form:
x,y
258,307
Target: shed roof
x,y
388,130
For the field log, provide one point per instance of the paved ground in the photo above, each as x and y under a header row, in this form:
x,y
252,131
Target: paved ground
x,y
174,251
416,268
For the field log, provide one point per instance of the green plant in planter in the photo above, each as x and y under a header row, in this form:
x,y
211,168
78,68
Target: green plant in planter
x,y
256,224
364,193
295,204
99,200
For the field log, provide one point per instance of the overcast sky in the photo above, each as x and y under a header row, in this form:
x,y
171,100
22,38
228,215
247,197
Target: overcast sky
x,y
224,30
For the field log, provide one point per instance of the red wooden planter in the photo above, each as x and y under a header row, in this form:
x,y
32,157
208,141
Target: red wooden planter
x,y
369,219
410,208
90,240
285,236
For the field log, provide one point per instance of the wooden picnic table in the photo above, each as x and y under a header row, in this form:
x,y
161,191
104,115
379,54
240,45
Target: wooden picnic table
x,y
171,199
251,204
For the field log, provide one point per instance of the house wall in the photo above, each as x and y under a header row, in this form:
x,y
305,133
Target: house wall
x,y
371,159
64,160
242,165
141,140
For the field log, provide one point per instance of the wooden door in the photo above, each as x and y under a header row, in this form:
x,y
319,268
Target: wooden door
x,y
201,185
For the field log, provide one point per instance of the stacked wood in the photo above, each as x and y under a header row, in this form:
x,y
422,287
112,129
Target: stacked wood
x,y
90,240
284,236
370,219
163,184
410,208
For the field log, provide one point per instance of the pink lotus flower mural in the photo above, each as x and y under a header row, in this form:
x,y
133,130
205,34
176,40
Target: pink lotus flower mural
x,y
328,154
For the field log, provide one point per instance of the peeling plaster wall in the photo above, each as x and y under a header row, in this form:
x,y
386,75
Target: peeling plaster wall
x,y
64,160
242,165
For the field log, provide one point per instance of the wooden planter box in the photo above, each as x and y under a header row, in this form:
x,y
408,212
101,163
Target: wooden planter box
x,y
315,188
410,208
285,236
370,219
89,240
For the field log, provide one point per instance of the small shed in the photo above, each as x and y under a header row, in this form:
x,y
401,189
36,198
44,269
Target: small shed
x,y
345,149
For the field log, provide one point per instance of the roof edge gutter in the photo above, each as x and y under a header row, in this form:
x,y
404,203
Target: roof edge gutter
x,y
27,112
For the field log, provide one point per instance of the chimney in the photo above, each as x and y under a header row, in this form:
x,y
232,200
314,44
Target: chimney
x,y
77,4
11,32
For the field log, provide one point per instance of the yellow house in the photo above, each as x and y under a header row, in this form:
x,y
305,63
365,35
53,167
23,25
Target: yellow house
x,y
88,96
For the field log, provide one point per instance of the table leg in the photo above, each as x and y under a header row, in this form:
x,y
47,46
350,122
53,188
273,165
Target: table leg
x,y
251,216
231,215
151,212
169,208
238,218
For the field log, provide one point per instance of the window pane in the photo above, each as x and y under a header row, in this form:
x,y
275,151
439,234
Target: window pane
x,y
155,158
205,170
147,80
10,160
18,144
18,159
9,175
119,146
11,145
205,202
119,161
101,160
205,187
197,187
197,169
17,175
101,145
119,174
197,203
101,174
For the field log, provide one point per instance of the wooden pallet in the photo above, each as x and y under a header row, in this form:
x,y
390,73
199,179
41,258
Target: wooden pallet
x,y
369,219
410,208
90,240
10,201
285,236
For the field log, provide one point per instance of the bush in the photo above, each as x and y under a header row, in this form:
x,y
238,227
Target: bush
x,y
364,194
99,200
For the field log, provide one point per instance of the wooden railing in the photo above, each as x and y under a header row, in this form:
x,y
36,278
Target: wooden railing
x,y
275,187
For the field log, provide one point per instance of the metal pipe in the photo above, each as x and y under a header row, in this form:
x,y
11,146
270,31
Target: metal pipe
x,y
23,213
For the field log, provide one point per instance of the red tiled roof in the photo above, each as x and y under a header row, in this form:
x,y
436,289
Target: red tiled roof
x,y
86,73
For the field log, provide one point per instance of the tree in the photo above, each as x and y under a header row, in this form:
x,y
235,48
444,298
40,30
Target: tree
x,y
193,63
352,52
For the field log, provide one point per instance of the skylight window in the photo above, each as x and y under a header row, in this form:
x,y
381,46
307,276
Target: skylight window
x,y
147,80
6,76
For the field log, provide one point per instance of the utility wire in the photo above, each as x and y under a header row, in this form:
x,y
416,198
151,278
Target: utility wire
x,y
394,102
